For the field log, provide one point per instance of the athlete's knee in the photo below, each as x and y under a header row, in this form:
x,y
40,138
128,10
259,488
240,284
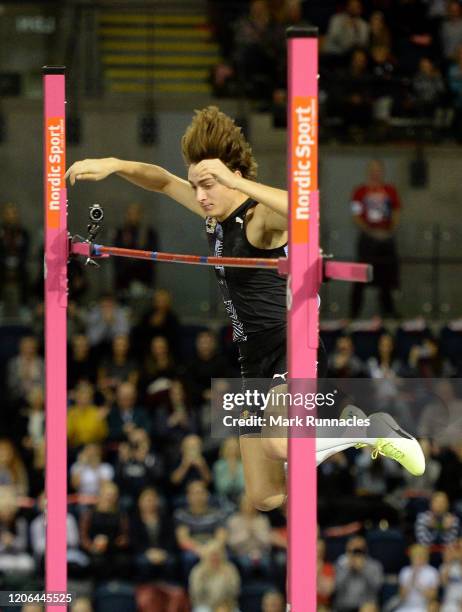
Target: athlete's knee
x,y
266,503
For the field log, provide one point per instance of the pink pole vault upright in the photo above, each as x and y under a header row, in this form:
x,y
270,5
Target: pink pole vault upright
x,y
56,246
305,271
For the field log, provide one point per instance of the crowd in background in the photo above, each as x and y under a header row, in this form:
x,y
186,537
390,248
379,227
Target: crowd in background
x,y
157,504
381,61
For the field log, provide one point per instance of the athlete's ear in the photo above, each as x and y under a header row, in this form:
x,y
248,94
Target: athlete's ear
x,y
238,172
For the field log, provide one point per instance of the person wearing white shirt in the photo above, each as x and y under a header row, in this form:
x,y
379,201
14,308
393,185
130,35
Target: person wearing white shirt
x,y
418,582
88,472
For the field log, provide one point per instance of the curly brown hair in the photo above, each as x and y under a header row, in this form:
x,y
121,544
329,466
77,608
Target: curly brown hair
x,y
214,135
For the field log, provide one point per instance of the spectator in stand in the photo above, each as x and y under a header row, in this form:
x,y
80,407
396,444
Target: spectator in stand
x,y
77,560
173,419
14,557
325,581
81,363
158,366
273,601
12,471
384,70
375,207
347,30
106,320
228,473
34,427
412,32
86,423
379,32
358,577
451,578
207,364
437,525
455,87
14,252
356,95
418,582
213,580
138,466
343,363
134,277
428,87
159,320
89,472
385,365
425,361
25,371
125,415
32,436
197,525
386,369
256,41
104,535
117,368
152,539
451,31
192,464
249,541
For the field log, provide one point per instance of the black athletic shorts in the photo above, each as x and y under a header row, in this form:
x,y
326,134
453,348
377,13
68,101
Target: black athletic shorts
x,y
265,357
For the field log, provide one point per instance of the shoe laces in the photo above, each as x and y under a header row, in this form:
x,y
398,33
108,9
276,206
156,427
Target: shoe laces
x,y
391,451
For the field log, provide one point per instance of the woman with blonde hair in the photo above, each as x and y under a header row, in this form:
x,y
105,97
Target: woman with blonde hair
x,y
12,470
228,473
213,580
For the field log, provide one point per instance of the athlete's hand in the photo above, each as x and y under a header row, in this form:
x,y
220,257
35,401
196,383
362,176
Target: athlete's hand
x,y
216,169
91,169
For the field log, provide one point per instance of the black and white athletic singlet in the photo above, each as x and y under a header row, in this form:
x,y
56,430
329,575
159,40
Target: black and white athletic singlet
x,y
255,299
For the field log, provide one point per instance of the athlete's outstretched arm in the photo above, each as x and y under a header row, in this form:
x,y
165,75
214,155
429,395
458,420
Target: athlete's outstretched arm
x,y
275,202
147,176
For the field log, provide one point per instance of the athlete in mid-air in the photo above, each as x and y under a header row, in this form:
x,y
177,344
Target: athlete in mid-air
x,y
244,218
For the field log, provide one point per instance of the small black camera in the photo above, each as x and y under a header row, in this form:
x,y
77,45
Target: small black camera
x,y
96,213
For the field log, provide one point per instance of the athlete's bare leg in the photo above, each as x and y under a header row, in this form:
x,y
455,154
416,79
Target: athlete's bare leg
x,y
274,438
265,480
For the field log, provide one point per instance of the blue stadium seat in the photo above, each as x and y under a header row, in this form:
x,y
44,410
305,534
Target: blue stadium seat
x,y
252,594
389,547
335,546
366,342
451,344
406,339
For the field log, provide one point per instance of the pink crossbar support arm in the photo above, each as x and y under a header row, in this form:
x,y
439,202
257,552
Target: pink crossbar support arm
x,y
56,253
305,275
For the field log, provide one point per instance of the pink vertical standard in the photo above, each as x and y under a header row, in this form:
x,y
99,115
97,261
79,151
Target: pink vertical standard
x,y
56,245
303,318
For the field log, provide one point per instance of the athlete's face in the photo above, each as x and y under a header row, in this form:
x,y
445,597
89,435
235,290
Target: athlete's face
x,y
215,199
